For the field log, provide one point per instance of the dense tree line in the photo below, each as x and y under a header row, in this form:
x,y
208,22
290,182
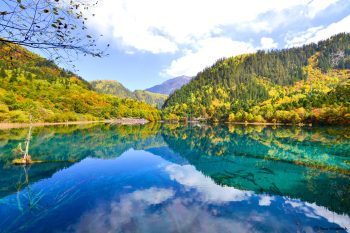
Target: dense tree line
x,y
314,77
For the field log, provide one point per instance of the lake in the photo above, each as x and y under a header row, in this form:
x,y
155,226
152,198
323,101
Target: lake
x,y
177,178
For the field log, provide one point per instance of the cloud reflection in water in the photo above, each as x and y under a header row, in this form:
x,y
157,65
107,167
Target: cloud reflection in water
x,y
201,205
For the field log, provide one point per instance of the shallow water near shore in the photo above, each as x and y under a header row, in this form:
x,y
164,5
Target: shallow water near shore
x,y
177,178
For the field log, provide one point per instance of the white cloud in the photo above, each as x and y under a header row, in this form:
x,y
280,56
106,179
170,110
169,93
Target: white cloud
x,y
257,26
130,215
283,16
198,31
265,200
268,43
152,196
205,210
160,26
188,176
208,51
315,34
120,214
302,37
314,211
316,6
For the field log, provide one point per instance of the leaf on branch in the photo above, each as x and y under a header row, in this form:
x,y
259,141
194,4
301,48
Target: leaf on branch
x,y
46,11
22,7
4,13
88,36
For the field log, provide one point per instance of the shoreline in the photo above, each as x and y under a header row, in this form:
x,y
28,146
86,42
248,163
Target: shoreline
x,y
251,123
268,123
123,121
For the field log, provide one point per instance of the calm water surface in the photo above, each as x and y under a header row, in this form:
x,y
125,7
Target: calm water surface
x,y
177,178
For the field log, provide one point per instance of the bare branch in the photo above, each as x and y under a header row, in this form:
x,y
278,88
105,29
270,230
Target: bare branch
x,y
48,25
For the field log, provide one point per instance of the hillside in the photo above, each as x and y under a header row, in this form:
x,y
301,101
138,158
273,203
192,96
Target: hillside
x,y
117,89
154,99
306,84
32,85
111,87
170,85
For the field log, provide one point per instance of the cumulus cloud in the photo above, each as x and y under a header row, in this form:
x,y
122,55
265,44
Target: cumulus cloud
x,y
188,176
315,34
152,196
207,52
118,215
268,43
210,50
265,200
131,215
197,32
158,26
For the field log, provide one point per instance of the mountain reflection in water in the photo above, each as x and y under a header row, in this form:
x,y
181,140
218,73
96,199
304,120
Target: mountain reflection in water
x,y
177,178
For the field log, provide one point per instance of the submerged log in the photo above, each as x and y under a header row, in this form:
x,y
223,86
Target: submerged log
x,y
23,161
26,161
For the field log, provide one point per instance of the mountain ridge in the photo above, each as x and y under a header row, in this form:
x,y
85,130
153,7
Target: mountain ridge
x,y
169,86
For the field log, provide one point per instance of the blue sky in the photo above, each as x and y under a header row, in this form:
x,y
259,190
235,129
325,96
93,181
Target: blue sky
x,y
154,40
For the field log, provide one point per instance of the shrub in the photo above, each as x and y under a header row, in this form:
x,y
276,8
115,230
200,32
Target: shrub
x,y
18,116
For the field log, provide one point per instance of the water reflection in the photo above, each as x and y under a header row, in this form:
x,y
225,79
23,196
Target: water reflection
x,y
177,178
309,164
73,143
200,205
65,145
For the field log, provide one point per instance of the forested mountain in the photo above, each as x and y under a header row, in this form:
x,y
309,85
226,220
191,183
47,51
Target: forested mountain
x,y
154,99
32,85
305,84
117,89
170,85
111,87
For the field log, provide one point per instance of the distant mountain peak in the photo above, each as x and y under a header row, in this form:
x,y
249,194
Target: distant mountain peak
x,y
170,85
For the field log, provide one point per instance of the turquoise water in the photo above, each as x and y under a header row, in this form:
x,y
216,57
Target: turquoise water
x,y
177,178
